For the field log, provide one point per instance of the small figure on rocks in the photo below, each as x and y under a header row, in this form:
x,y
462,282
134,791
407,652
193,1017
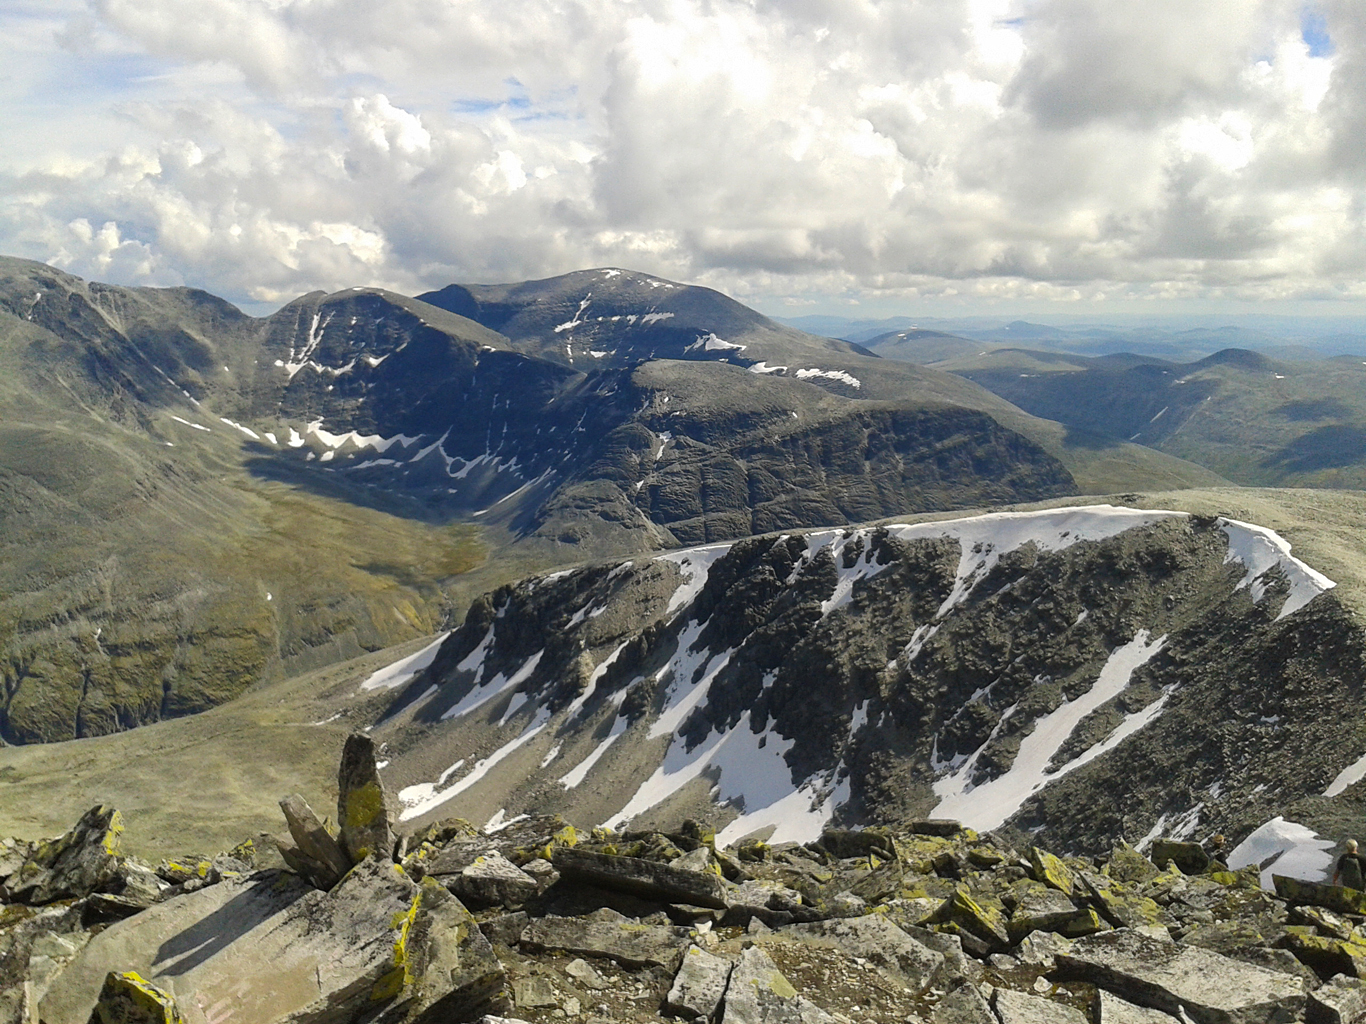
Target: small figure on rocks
x,y
1349,870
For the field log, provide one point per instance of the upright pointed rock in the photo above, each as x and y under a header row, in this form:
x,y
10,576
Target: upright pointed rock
x,y
362,811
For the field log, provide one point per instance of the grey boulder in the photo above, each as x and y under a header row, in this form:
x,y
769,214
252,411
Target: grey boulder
x,y
1208,987
876,939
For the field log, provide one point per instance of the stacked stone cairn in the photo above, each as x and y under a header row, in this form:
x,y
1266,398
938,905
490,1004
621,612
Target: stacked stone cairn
x,y
538,921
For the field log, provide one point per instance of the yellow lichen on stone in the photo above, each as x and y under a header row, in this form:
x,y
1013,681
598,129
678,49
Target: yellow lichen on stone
x,y
780,986
129,998
1052,871
112,834
364,806
394,980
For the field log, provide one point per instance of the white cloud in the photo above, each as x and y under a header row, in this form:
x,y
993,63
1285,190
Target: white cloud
x,y
1056,149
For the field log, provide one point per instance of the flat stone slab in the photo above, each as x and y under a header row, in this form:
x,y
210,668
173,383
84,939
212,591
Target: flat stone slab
x,y
607,934
645,878
268,946
1114,1010
876,939
759,994
1023,1008
1208,987
492,880
699,986
964,1005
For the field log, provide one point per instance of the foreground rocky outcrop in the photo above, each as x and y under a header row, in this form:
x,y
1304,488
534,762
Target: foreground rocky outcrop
x,y
537,921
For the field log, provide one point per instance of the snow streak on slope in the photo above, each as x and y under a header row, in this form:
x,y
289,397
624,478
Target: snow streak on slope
x,y
1349,776
751,774
402,671
988,806
1261,550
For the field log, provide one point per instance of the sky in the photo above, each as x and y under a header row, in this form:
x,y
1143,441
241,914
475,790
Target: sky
x,y
851,157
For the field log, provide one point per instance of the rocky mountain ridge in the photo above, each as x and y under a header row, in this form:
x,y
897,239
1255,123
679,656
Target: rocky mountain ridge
x,y
924,920
1073,674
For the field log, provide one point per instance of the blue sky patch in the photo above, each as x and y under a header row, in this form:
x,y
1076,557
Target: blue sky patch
x,y
1314,32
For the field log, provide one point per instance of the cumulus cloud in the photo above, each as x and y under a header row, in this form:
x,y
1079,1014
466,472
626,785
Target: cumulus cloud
x,y
1058,149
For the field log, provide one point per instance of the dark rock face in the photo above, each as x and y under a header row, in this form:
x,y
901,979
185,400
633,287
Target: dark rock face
x,y
1082,674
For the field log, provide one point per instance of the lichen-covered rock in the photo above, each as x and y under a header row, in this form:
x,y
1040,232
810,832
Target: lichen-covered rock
x,y
964,1005
758,993
316,855
1127,865
1023,1008
1111,1009
1050,910
362,809
128,998
978,919
443,968
301,950
646,878
605,933
491,880
73,865
1210,988
699,986
1191,858
875,939
1341,1001
1333,897
1327,956
1051,871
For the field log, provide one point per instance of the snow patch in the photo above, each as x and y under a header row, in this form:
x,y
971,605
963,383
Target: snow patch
x,y
693,565
763,367
840,375
481,694
711,343
197,426
1261,550
246,430
984,539
580,772
402,671
988,805
753,775
1352,774
1284,848
426,796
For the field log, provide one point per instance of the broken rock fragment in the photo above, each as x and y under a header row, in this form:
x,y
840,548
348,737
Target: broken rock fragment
x,y
605,933
699,986
759,994
315,855
874,938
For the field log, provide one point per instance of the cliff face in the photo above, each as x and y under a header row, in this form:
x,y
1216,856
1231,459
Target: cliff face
x,y
1078,673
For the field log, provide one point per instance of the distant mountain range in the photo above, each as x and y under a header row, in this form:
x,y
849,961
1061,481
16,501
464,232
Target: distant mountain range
x,y
194,499
1179,338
